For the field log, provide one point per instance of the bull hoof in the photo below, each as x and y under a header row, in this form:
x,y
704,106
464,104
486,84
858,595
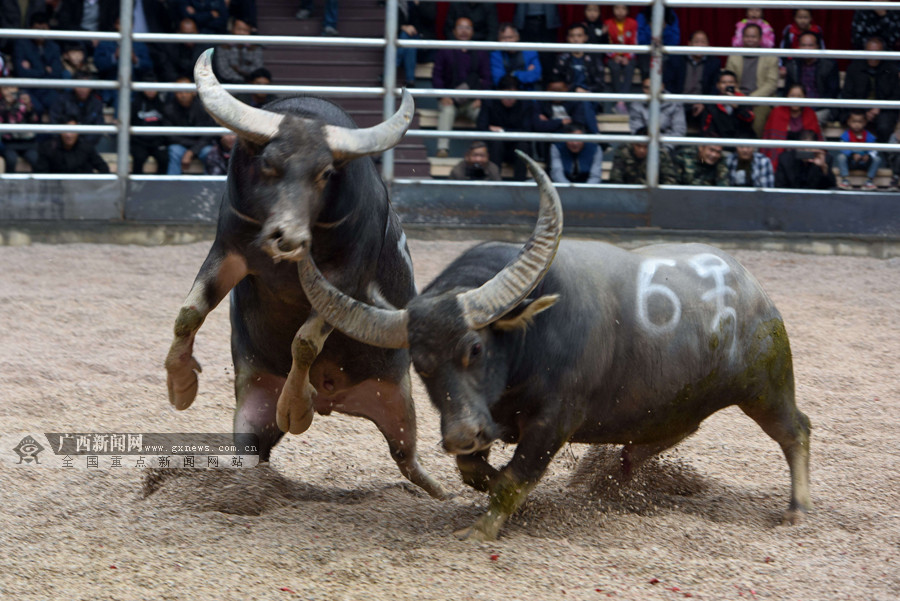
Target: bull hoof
x,y
182,383
484,529
793,517
294,411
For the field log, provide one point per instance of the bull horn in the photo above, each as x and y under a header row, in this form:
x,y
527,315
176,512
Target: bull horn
x,y
351,143
253,124
385,328
500,294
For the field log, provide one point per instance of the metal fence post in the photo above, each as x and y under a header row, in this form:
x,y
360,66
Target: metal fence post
x,y
390,81
656,56
124,105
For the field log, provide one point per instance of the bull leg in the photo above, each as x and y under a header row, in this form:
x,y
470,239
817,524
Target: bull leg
x,y
635,455
295,404
790,428
541,440
390,407
220,273
257,393
476,471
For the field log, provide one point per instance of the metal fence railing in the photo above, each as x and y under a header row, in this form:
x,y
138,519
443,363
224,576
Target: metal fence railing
x,y
390,43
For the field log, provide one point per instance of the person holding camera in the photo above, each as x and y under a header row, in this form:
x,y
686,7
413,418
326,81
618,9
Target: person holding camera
x,y
750,169
476,165
725,120
806,168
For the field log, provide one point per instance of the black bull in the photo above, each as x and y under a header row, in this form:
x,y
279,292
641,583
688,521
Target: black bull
x,y
289,192
608,346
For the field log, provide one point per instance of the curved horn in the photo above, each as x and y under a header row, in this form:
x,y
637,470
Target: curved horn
x,y
370,325
253,124
351,143
504,291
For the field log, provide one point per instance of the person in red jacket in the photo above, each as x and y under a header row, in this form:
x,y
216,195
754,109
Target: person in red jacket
x,y
622,29
786,122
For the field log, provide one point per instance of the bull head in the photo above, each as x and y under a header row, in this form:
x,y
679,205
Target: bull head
x,y
297,156
448,333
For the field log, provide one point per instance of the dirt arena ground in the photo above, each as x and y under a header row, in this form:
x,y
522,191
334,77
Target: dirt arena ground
x,y
83,333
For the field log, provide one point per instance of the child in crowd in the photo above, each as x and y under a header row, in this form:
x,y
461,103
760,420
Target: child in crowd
x,y
856,159
754,15
790,37
596,28
622,30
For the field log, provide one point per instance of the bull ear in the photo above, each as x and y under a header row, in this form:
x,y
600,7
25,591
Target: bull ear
x,y
522,316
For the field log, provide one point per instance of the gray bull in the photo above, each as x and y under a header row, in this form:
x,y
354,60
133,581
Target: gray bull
x,y
300,183
638,349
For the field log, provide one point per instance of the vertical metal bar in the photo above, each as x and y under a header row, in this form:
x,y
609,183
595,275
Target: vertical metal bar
x,y
124,113
390,80
656,54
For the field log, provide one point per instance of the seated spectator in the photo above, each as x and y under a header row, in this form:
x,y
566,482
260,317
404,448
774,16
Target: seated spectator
x,y
260,77
524,65
83,105
73,61
630,164
701,166
180,58
694,74
802,24
476,165
244,10
671,117
106,59
868,24
756,75
727,120
183,109
786,123
750,169
622,30
858,159
87,15
68,153
582,72
554,115
805,169
482,16
754,17
596,29
147,109
539,23
38,59
876,79
459,69
233,63
819,77
508,114
894,160
415,22
16,108
216,161
210,16
574,161
671,35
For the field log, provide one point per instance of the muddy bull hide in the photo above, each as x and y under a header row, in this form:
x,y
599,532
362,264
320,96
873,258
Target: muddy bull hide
x,y
604,346
299,183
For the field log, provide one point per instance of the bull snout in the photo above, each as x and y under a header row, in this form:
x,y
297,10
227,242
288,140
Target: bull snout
x,y
464,438
285,245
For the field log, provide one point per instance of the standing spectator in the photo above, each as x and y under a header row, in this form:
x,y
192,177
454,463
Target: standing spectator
x,y
622,30
329,18
416,22
630,164
671,117
68,153
750,169
754,17
216,161
582,72
476,165
701,166
482,15
459,69
597,33
87,15
727,120
868,24
147,109
554,115
10,18
858,159
539,23
508,114
260,77
211,16
233,63
180,58
524,65
819,77
756,75
16,108
83,105
182,109
38,59
802,24
875,79
106,59
805,169
576,162
786,123
671,34
694,74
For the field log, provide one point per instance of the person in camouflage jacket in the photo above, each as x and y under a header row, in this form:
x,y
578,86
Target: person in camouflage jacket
x,y
630,164
701,166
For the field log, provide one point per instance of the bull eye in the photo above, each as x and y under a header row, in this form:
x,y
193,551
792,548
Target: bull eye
x,y
475,350
472,354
